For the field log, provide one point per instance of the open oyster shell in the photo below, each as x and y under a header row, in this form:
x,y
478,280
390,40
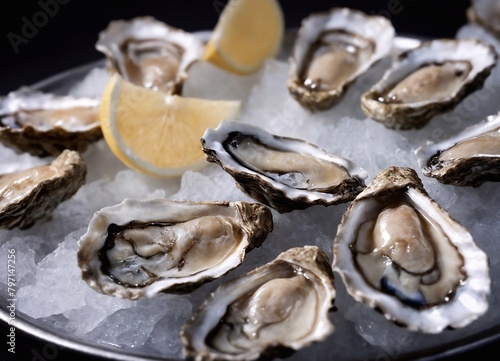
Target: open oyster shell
x,y
45,124
284,173
149,53
430,79
485,13
332,49
398,251
280,306
468,158
32,194
140,248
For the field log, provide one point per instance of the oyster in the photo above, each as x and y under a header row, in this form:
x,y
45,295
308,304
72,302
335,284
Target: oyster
x,y
281,305
398,251
332,49
485,13
469,158
32,194
45,124
428,80
149,53
284,173
140,248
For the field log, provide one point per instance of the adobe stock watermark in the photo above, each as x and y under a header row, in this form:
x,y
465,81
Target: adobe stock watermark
x,y
11,301
48,352
31,26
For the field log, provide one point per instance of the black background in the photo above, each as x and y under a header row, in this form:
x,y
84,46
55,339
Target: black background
x,y
68,38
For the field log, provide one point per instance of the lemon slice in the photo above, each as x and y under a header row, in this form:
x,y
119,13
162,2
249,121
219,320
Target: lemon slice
x,y
155,133
247,33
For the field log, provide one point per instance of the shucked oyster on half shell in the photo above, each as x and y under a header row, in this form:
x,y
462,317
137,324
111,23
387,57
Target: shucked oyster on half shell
x,y
485,13
284,173
44,124
32,194
428,80
150,53
398,251
332,50
140,248
280,306
468,158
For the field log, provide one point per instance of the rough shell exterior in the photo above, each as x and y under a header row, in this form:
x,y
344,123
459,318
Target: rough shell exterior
x,y
45,141
44,197
403,116
309,259
255,221
280,196
468,302
485,13
342,19
471,171
147,28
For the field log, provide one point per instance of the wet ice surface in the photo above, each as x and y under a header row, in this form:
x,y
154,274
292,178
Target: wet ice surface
x,y
50,288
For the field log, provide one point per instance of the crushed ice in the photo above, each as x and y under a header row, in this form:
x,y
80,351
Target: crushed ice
x,y
50,287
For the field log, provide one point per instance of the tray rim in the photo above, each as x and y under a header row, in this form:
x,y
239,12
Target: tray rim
x,y
401,43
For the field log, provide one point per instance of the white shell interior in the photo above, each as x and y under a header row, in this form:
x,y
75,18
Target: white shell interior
x,y
375,28
26,99
215,138
147,211
480,55
430,149
470,300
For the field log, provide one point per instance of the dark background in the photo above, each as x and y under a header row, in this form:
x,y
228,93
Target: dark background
x,y
68,38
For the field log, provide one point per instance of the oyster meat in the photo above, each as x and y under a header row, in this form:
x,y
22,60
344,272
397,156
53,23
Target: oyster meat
x,y
45,124
149,53
284,173
469,158
430,79
398,251
331,50
281,305
485,13
32,194
140,248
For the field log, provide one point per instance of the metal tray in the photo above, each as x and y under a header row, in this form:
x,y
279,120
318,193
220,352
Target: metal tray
x,y
61,83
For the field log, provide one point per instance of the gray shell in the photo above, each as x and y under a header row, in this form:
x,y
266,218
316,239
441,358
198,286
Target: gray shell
x,y
126,42
171,257
42,189
400,115
456,257
309,264
37,135
485,13
375,30
473,170
271,191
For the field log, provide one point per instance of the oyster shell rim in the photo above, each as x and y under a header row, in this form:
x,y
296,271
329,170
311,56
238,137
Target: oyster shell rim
x,y
312,255
105,46
402,116
473,171
46,142
277,195
476,263
474,18
97,230
322,100
60,186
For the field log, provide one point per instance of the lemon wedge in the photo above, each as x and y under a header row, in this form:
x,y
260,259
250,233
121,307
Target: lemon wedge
x,y
247,33
155,133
